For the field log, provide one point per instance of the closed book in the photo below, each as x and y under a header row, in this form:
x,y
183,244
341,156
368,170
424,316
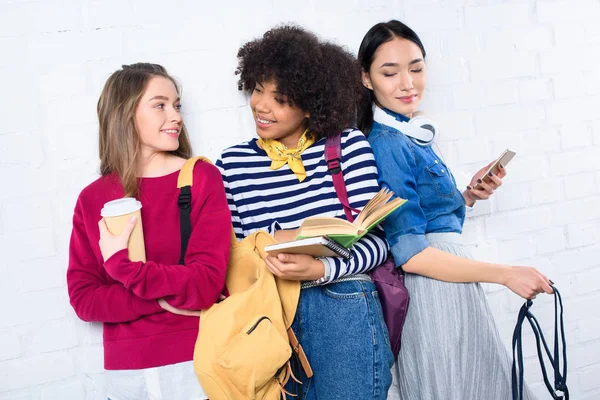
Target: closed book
x,y
320,246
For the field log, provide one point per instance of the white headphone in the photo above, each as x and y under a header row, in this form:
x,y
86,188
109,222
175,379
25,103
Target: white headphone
x,y
420,129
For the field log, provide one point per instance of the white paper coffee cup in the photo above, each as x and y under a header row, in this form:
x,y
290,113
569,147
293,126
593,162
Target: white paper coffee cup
x,y
116,208
117,213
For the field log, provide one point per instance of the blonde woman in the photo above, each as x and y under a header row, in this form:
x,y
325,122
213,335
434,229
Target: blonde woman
x,y
143,145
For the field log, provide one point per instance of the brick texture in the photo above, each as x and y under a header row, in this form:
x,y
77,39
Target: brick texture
x,y
516,74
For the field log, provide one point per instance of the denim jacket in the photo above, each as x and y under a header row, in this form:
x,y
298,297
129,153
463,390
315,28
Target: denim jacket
x,y
415,173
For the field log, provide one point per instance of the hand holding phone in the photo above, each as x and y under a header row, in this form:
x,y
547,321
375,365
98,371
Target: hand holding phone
x,y
503,160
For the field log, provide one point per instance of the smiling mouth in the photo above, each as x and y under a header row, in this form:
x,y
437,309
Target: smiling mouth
x,y
407,99
264,121
171,132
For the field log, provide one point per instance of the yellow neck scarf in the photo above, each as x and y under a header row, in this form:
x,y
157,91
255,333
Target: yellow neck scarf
x,y
281,155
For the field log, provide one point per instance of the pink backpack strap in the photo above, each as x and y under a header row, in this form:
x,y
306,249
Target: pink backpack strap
x,y
333,157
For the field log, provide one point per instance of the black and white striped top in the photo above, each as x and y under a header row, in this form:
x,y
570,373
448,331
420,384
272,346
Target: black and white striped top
x,y
261,198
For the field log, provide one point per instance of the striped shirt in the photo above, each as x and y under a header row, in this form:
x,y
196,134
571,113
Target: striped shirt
x,y
261,198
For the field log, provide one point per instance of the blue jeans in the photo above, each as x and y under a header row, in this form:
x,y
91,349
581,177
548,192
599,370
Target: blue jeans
x,y
341,328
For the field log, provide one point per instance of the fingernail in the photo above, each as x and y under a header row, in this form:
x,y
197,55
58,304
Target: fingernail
x,y
490,173
501,166
479,180
469,187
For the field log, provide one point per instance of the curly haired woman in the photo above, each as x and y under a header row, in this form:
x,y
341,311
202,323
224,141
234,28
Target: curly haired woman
x,y
302,91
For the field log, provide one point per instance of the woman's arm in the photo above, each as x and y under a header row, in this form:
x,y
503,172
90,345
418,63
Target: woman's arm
x,y
527,282
91,297
196,284
405,229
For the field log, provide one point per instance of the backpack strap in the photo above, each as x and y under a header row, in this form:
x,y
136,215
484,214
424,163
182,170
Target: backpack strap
x,y
185,180
333,158
560,380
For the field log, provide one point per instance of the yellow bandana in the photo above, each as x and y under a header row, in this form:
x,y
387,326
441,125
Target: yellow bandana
x,y
281,155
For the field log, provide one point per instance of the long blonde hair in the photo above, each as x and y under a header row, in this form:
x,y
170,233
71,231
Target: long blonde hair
x,y
120,145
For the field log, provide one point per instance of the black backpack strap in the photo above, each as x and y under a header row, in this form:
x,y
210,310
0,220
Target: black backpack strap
x,y
185,224
185,181
560,379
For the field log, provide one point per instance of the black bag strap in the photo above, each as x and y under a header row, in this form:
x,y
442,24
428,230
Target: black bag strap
x,y
185,225
184,201
560,380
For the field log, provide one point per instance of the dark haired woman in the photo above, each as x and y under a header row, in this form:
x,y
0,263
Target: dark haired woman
x,y
143,145
451,348
303,90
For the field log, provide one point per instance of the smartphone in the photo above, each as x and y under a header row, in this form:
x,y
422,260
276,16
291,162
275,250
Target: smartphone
x,y
504,159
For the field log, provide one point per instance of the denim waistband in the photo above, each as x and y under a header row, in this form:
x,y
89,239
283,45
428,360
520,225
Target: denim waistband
x,y
357,277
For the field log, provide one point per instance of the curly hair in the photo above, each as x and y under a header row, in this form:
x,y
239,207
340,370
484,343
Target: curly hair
x,y
318,77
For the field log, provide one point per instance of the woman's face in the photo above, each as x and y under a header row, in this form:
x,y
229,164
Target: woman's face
x,y
397,76
158,117
274,117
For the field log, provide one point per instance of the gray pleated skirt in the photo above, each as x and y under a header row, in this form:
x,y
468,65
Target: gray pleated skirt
x,y
451,349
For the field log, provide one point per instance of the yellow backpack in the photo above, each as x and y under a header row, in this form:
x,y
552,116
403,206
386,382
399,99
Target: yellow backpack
x,y
243,346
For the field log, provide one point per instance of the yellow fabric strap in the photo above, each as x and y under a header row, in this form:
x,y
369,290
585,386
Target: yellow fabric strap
x,y
281,155
186,174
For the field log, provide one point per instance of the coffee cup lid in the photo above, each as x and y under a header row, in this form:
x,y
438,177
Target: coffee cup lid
x,y
122,206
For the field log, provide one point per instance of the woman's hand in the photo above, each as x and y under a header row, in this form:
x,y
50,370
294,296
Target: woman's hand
x,y
166,306
471,195
295,267
111,244
527,282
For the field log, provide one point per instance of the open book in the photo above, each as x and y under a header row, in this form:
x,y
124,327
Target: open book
x,y
347,233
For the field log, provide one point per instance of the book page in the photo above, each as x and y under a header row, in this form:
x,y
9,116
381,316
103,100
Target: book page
x,y
319,226
382,197
381,212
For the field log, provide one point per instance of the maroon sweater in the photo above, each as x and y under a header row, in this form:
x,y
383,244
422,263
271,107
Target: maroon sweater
x,y
122,294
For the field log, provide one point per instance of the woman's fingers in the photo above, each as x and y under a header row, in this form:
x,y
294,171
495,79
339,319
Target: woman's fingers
x,y
128,228
102,228
479,194
487,186
501,171
271,266
495,181
528,282
545,284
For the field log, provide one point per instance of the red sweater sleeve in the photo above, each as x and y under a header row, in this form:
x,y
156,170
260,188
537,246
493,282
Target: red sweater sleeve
x,y
91,296
196,285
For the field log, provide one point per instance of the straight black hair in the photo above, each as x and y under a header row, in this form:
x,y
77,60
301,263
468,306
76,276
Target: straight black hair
x,y
379,34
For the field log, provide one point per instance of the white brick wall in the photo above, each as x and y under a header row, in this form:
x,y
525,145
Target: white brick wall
x,y
518,74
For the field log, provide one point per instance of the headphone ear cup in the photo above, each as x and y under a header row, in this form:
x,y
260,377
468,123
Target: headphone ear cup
x,y
423,122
